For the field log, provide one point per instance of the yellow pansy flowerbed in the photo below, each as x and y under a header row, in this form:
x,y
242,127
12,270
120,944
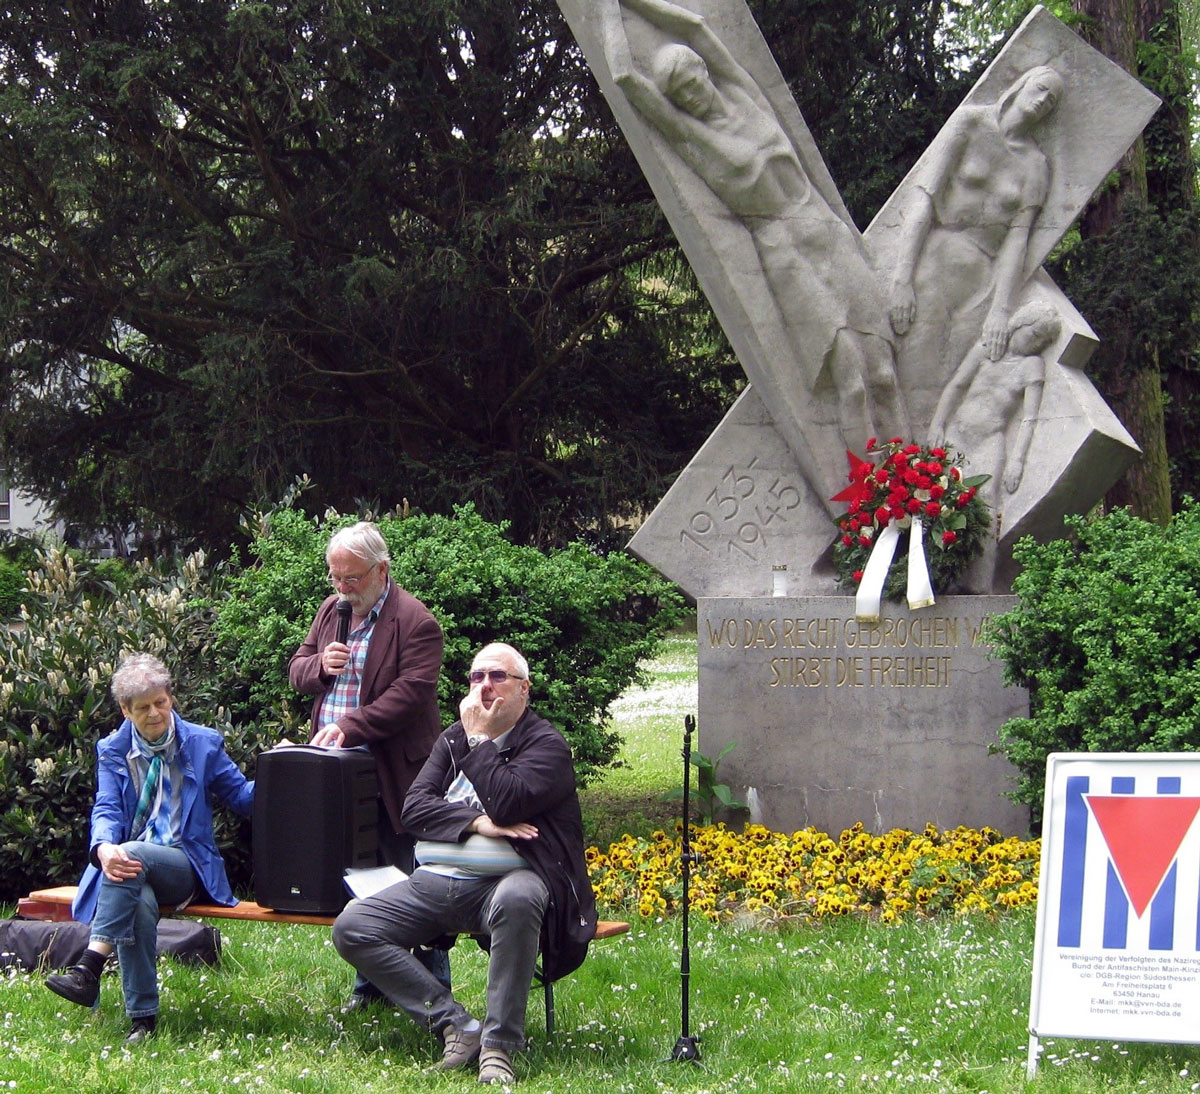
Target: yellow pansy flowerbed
x,y
809,874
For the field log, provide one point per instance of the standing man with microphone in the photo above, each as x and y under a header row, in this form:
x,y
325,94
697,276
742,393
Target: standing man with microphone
x,y
372,659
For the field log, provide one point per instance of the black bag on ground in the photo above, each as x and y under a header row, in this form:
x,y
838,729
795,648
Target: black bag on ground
x,y
31,944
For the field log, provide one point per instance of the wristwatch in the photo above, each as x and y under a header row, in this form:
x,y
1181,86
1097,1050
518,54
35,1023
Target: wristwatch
x,y
476,739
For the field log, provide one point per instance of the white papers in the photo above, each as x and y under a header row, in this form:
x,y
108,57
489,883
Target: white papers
x,y
365,883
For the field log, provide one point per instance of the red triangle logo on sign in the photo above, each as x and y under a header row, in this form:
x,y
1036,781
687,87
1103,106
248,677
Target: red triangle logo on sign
x,y
1143,837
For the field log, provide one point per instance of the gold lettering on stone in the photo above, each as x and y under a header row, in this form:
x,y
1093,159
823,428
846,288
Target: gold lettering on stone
x,y
857,672
832,633
837,652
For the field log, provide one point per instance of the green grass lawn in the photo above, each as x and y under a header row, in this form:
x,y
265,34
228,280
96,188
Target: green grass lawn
x,y
632,796
929,1005
847,1004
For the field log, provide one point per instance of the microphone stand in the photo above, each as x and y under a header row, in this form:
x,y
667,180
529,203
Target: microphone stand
x,y
686,1047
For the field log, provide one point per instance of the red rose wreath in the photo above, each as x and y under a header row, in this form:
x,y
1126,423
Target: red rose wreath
x,y
907,483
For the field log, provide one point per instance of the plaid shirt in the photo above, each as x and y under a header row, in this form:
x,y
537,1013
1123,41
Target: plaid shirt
x,y
342,698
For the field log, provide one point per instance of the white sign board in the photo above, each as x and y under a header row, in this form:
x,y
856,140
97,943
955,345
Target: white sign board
x,y
1117,950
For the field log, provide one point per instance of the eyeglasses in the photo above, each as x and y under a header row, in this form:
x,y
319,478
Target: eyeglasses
x,y
495,676
350,580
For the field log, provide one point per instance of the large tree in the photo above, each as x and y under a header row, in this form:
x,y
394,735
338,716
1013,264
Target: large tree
x,y
1135,271
399,246
1168,64
378,243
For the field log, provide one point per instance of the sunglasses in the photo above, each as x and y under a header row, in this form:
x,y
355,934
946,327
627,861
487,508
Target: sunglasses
x,y
496,676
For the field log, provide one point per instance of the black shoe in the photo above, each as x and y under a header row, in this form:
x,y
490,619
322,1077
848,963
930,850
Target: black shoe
x,y
142,1029
360,1000
437,961
77,984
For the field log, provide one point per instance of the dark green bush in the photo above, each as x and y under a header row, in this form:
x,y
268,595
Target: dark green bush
x,y
12,588
584,622
227,634
1105,636
55,667
23,548
112,577
18,552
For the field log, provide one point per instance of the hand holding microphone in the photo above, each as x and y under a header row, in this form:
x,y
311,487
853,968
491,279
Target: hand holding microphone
x,y
335,655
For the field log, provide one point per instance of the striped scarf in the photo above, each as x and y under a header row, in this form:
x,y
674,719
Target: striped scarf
x,y
155,765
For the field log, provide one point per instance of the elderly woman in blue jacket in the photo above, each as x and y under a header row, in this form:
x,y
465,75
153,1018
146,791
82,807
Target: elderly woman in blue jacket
x,y
152,837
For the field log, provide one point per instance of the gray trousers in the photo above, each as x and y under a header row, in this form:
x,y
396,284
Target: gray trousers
x,y
376,936
396,849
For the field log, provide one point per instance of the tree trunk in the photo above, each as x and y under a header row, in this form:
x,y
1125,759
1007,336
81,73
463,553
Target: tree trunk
x,y
1128,367
1171,185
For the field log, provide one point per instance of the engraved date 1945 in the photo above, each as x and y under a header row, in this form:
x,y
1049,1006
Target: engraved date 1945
x,y
739,512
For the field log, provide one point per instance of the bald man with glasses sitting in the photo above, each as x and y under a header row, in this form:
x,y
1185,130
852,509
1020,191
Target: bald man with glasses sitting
x,y
500,854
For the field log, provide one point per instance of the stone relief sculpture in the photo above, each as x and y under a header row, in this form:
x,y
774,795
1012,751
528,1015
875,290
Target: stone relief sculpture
x,y
717,120
954,253
994,405
745,528
966,228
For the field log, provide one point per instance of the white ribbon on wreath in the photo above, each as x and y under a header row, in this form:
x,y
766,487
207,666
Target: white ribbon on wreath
x,y
870,590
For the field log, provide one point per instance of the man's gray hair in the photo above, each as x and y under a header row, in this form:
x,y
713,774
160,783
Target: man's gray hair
x,y
511,652
363,540
139,674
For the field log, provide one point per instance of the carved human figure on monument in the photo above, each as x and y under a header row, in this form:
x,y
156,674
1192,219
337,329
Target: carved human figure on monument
x,y
966,230
717,120
983,404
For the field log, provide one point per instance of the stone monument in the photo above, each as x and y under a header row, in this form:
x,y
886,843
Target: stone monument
x,y
936,324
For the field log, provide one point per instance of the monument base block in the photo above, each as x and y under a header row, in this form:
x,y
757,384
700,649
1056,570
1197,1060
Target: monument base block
x,y
837,721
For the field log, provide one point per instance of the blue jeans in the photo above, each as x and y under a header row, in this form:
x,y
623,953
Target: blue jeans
x,y
376,935
127,918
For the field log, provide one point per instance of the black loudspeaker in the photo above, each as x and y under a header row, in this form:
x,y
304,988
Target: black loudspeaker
x,y
316,812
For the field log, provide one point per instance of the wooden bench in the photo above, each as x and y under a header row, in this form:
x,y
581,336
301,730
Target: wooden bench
x,y
54,906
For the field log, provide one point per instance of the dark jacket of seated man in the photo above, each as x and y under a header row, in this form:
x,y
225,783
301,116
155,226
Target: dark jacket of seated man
x,y
529,778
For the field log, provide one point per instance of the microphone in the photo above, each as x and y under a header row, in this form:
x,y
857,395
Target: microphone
x,y
344,610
